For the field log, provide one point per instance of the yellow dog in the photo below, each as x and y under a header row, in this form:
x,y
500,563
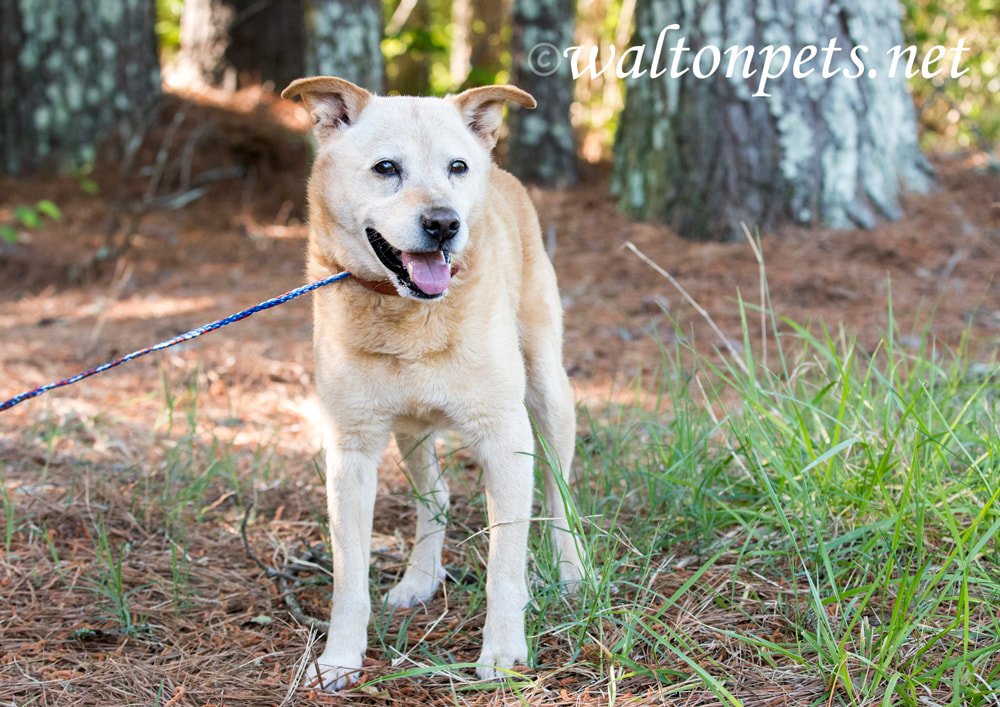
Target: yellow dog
x,y
452,320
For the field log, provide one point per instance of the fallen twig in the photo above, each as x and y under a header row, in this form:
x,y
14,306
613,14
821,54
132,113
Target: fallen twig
x,y
287,579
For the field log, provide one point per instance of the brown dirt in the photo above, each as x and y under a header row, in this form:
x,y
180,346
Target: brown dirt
x,y
243,242
101,449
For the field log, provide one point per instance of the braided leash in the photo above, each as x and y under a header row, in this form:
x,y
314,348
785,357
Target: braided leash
x,y
187,336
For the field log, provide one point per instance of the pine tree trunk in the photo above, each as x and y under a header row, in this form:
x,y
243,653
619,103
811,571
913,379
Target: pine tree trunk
x,y
704,154
69,71
487,46
204,41
231,43
477,42
460,58
267,40
541,148
410,72
344,39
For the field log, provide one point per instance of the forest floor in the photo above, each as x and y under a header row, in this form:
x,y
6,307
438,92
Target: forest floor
x,y
80,512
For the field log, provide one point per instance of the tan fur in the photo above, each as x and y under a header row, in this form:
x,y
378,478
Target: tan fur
x,y
477,359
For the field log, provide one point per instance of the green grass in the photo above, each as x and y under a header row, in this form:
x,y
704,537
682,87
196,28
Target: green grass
x,y
110,586
837,508
813,525
863,484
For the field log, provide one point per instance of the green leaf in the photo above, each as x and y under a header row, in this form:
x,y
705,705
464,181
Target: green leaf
x,y
8,234
28,216
49,209
89,186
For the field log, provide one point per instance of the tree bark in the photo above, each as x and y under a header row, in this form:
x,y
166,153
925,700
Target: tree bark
x,y
541,148
231,43
344,39
460,60
266,41
410,72
204,39
69,71
704,154
487,44
477,42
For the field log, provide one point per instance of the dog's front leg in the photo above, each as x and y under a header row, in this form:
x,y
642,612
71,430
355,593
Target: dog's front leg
x,y
505,451
351,470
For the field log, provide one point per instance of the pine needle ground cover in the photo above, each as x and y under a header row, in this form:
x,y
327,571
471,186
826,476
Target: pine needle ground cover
x,y
789,519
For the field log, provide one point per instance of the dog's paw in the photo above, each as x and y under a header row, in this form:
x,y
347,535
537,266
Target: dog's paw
x,y
416,587
497,658
332,672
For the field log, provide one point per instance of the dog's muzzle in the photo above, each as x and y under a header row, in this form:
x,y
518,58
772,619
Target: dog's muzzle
x,y
426,274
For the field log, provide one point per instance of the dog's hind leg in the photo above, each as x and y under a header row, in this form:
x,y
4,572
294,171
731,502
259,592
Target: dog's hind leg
x,y
424,572
550,403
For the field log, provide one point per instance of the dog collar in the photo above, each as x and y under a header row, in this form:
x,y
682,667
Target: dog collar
x,y
386,287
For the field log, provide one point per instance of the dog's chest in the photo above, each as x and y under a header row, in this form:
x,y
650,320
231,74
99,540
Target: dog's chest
x,y
412,334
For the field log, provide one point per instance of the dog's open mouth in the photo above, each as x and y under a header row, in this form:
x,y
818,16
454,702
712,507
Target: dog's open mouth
x,y
426,275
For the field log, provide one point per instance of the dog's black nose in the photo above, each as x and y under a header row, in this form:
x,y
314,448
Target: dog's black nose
x,y
441,224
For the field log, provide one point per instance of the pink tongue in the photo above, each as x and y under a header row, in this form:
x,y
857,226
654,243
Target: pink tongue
x,y
429,271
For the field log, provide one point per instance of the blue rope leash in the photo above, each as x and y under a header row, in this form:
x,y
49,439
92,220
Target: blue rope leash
x,y
193,334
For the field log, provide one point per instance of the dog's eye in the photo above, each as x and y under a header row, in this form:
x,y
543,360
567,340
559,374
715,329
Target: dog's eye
x,y
458,167
387,168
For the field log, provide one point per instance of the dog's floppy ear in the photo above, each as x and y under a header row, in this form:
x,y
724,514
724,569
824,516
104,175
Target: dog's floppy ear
x,y
482,109
333,103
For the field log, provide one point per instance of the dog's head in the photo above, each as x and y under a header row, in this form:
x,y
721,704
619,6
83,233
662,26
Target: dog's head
x,y
397,179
